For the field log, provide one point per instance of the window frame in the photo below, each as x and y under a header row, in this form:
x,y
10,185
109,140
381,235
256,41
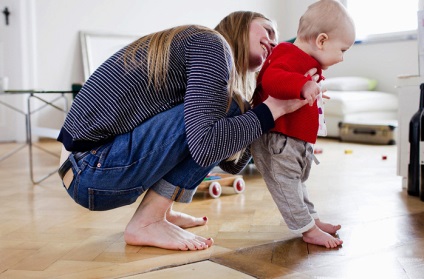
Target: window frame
x,y
388,36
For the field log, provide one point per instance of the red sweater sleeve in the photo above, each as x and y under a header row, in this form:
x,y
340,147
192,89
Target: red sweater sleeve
x,y
281,79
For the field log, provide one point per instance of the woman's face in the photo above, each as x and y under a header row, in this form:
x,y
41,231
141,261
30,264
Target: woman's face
x,y
262,39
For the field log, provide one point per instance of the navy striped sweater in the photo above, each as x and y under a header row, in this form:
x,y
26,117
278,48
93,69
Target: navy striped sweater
x,y
115,100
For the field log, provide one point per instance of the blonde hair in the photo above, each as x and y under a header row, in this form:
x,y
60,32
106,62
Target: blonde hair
x,y
235,28
157,45
324,16
234,31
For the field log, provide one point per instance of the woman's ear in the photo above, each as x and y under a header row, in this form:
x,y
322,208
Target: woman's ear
x,y
320,40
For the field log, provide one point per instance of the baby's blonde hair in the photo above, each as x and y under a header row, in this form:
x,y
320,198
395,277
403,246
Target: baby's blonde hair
x,y
324,16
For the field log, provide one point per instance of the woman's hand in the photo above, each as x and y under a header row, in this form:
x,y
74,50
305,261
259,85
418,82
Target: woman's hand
x,y
281,107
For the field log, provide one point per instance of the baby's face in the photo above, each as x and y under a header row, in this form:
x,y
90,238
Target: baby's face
x,y
334,48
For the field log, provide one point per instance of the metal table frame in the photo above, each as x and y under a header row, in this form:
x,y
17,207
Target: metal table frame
x,y
30,111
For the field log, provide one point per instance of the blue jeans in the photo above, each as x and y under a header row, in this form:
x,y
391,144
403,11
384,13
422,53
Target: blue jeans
x,y
154,155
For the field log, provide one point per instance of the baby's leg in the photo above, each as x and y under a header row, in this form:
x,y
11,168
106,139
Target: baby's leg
x,y
277,157
318,237
326,227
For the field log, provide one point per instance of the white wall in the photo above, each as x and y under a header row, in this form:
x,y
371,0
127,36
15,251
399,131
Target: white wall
x,y
59,21
291,11
53,52
16,63
380,61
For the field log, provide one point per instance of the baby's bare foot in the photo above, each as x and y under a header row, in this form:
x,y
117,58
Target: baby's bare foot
x,y
326,227
318,237
183,220
164,234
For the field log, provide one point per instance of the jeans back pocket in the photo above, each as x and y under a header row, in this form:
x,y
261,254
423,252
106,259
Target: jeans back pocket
x,y
100,200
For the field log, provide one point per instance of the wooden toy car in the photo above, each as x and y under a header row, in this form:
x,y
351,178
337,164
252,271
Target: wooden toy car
x,y
218,183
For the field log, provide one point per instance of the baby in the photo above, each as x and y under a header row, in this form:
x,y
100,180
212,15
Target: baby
x,y
284,156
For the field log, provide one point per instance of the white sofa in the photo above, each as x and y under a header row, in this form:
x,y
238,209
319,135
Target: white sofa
x,y
354,100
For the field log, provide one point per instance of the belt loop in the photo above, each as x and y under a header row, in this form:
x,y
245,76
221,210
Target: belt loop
x,y
72,159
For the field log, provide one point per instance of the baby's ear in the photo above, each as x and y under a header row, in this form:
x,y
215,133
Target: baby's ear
x,y
320,40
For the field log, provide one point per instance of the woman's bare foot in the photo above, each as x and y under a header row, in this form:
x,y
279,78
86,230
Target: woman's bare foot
x,y
148,227
326,227
318,237
165,235
183,220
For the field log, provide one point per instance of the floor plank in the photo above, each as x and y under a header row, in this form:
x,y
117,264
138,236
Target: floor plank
x,y
44,234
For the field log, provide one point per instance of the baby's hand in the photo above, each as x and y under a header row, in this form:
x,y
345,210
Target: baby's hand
x,y
310,91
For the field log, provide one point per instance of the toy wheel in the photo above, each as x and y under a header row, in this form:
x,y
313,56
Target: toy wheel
x,y
239,185
215,189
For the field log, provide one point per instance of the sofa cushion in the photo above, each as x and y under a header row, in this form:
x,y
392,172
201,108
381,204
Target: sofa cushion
x,y
349,84
348,102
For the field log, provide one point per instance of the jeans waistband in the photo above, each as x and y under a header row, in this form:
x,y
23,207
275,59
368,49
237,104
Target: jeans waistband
x,y
67,165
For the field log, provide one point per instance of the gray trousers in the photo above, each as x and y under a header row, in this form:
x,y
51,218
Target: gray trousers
x,y
285,164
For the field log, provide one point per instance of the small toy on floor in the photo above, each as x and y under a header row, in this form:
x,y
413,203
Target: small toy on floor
x,y
222,183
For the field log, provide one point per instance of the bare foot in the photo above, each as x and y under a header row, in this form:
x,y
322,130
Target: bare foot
x,y
326,227
148,227
183,220
318,237
164,234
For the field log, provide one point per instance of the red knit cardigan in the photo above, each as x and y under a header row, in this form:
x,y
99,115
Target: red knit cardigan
x,y
283,76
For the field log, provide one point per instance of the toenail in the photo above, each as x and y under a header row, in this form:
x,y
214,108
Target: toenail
x,y
205,218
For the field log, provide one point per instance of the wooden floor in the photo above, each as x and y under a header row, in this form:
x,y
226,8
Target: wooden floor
x,y
44,234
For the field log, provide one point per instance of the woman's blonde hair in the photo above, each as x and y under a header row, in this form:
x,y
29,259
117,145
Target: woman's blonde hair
x,y
235,28
234,31
157,45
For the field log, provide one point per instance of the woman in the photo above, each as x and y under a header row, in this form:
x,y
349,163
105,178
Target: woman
x,y
159,115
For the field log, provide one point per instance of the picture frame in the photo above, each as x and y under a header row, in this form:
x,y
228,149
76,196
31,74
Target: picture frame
x,y
96,47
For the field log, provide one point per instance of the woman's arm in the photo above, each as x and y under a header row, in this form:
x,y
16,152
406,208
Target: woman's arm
x,y
234,167
212,136
281,107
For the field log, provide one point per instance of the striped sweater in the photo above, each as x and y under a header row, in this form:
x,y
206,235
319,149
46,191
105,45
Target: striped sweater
x,y
115,100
